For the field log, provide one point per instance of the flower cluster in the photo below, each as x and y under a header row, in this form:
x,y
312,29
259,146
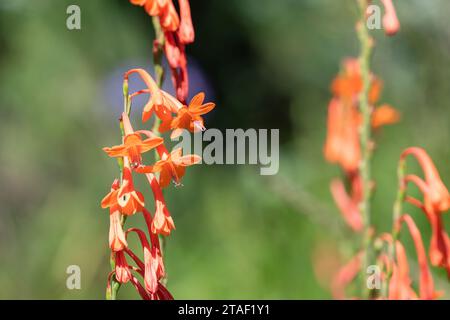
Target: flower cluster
x,y
342,145
392,257
178,32
352,120
124,200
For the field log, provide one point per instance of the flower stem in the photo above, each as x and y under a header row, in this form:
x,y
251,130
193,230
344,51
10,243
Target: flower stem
x,y
158,50
365,136
397,212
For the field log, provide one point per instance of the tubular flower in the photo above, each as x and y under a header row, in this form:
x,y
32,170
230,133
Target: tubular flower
x,y
117,240
348,205
160,102
391,24
342,144
132,148
400,283
344,119
162,222
164,9
186,32
426,285
190,117
177,33
123,273
436,200
436,195
346,275
440,242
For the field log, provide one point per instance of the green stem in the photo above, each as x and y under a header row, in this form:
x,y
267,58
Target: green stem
x,y
397,212
365,136
158,51
115,285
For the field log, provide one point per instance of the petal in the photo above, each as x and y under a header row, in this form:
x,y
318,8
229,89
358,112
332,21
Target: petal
x,y
203,109
176,133
197,100
150,143
188,160
384,115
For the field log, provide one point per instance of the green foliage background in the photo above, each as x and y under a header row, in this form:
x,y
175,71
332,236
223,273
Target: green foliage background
x,y
239,235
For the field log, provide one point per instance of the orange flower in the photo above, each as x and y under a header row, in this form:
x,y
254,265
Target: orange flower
x,y
171,166
160,102
384,115
164,9
162,222
133,145
189,117
436,195
440,242
342,144
348,84
117,240
186,31
400,283
347,205
426,285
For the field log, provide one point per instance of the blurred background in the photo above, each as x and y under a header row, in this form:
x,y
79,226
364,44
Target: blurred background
x,y
266,64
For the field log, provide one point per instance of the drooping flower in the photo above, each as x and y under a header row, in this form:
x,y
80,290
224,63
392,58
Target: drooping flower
x,y
164,9
436,196
342,143
159,102
439,251
345,276
186,32
400,282
117,240
426,284
162,222
153,265
122,269
391,24
349,205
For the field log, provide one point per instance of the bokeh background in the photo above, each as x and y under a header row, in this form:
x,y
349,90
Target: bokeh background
x,y
266,64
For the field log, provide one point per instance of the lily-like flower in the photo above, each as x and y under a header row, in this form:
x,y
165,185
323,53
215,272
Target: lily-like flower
x,y
171,166
133,146
160,102
189,117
